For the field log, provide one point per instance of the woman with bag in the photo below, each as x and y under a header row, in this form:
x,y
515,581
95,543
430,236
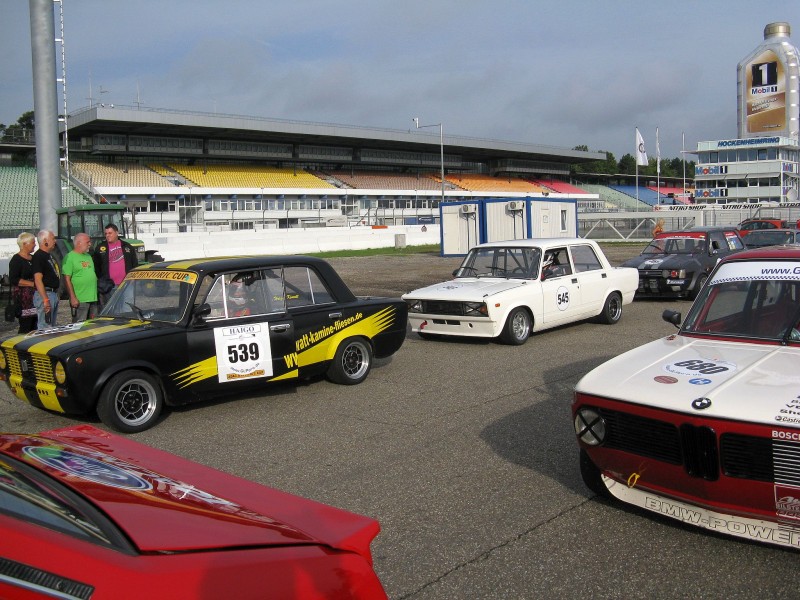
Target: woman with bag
x,y
20,272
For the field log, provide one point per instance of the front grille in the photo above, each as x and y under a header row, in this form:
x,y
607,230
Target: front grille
x,y
700,457
739,456
35,368
444,307
643,436
650,273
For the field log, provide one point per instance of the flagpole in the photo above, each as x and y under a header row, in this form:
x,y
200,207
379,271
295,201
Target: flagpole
x,y
636,145
683,157
658,168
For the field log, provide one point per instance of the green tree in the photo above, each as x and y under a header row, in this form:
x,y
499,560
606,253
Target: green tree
x,y
627,165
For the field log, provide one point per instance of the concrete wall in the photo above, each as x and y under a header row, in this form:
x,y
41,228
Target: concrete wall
x,y
177,246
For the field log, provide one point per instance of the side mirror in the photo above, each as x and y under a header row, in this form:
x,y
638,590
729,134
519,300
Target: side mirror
x,y
672,316
455,271
200,313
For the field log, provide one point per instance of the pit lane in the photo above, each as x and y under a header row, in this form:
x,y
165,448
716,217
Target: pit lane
x,y
464,451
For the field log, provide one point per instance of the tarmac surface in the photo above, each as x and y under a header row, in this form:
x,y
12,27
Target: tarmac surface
x,y
465,453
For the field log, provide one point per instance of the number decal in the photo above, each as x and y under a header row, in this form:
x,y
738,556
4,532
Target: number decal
x,y
243,352
562,298
700,366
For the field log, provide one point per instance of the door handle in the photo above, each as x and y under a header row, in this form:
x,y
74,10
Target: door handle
x,y
280,327
335,315
575,281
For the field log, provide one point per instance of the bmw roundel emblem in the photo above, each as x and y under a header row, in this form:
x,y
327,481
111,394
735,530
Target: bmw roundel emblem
x,y
701,403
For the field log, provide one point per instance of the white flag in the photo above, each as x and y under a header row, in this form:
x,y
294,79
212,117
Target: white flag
x,y
641,153
658,155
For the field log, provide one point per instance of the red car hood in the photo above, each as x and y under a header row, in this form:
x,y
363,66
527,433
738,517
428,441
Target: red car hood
x,y
165,503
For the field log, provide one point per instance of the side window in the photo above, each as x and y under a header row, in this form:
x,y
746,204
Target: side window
x,y
585,259
304,287
244,294
556,263
717,241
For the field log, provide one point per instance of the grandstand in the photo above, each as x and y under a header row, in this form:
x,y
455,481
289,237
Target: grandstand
x,y
19,200
179,170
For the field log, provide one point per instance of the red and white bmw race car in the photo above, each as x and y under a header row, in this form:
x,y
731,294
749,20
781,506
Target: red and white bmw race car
x,y
704,425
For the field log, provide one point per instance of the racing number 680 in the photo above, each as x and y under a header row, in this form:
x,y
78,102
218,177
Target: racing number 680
x,y
243,352
706,368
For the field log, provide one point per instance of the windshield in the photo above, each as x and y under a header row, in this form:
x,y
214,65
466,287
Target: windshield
x,y
676,245
150,295
514,263
758,239
749,299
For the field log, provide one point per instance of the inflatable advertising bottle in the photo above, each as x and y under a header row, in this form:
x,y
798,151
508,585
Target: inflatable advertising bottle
x,y
769,87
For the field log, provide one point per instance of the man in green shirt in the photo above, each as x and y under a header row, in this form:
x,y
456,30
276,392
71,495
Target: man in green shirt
x,y
80,279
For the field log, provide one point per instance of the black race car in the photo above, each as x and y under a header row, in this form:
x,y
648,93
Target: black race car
x,y
677,263
182,331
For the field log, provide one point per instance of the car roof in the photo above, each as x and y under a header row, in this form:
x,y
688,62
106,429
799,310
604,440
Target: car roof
x,y
535,243
234,263
790,252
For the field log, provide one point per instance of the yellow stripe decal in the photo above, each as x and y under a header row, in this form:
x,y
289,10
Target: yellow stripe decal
x,y
47,395
48,343
196,372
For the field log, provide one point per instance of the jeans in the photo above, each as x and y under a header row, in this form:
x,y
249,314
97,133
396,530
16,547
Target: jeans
x,y
39,305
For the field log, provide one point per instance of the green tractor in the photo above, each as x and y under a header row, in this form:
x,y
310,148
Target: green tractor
x,y
92,219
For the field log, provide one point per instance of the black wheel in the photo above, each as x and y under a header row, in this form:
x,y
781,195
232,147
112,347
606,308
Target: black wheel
x,y
517,328
352,362
131,401
612,309
591,476
701,281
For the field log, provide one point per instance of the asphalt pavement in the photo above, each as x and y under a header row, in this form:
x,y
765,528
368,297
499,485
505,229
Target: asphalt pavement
x,y
465,453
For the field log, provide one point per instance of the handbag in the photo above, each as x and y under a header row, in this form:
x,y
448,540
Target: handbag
x,y
11,311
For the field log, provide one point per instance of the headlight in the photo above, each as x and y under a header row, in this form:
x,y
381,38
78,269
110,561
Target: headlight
x,y
59,372
475,309
414,305
2,360
590,427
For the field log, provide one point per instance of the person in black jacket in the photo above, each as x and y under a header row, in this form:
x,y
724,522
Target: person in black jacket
x,y
20,272
47,279
112,261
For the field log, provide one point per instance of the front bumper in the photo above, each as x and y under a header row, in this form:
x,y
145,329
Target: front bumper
x,y
739,526
657,285
453,325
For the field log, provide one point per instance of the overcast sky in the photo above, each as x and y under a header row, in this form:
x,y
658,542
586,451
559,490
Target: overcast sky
x,y
558,73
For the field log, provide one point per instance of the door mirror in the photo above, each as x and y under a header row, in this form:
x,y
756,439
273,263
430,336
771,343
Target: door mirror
x,y
200,313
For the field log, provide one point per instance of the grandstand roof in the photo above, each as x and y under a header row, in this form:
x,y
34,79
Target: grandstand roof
x,y
131,120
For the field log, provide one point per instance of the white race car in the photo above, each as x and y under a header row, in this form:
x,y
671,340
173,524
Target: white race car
x,y
704,425
507,290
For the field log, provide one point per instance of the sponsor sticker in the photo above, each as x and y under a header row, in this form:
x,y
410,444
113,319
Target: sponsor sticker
x,y
664,379
699,381
86,467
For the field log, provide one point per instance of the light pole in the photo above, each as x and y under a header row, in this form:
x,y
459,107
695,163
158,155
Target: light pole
x,y
441,145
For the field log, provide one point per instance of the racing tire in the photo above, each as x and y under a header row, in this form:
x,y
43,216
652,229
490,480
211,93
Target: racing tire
x,y
352,362
131,401
591,476
517,329
701,281
612,309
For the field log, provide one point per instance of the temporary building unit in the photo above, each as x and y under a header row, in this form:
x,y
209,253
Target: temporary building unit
x,y
466,223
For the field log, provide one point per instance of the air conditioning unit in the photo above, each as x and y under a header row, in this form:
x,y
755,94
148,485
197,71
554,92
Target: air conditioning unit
x,y
515,206
467,209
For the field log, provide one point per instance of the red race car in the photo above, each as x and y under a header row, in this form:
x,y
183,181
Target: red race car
x,y
88,514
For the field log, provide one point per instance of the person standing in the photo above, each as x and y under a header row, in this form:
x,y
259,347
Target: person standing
x,y
20,273
80,279
47,279
112,261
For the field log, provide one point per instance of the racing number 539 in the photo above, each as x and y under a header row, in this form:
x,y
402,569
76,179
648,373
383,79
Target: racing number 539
x,y
243,352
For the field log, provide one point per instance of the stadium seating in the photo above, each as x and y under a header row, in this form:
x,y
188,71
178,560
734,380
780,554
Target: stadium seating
x,y
487,183
97,174
372,180
614,199
560,187
645,194
247,176
19,198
